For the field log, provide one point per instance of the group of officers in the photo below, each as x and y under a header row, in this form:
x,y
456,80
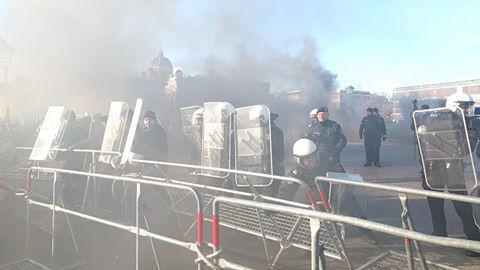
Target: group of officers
x,y
318,152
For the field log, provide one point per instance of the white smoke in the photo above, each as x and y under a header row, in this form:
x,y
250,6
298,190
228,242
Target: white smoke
x,y
80,53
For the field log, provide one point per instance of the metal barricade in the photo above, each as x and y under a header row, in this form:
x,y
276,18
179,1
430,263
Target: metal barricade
x,y
56,206
407,223
286,230
313,216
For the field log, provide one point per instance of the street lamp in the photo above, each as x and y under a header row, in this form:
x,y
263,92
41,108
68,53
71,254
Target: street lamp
x,y
6,53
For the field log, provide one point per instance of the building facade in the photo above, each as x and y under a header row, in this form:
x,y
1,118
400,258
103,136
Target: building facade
x,y
431,94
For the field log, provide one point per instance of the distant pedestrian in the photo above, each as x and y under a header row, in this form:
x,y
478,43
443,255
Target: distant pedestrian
x,y
371,132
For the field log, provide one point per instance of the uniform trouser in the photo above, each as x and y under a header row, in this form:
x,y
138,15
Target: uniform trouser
x,y
372,148
464,211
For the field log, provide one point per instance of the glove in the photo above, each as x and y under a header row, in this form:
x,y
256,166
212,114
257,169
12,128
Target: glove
x,y
384,138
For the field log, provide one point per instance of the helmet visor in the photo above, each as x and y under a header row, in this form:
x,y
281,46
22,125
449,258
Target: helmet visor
x,y
309,162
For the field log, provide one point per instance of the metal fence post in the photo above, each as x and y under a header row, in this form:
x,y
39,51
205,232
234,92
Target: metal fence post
x,y
322,264
407,241
137,232
409,225
318,255
54,190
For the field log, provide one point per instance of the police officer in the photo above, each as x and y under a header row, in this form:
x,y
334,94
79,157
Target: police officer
x,y
313,116
329,138
448,173
278,154
73,185
311,161
195,136
371,132
381,123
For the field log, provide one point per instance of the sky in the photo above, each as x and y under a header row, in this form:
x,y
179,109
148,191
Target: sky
x,y
372,45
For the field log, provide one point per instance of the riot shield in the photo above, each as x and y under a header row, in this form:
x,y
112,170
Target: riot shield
x,y
51,133
132,131
338,193
253,145
216,139
115,131
192,118
445,149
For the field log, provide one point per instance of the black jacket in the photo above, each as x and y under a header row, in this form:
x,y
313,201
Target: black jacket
x,y
72,138
371,126
152,144
328,136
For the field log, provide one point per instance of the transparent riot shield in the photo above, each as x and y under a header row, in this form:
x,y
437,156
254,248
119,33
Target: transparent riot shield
x,y
132,131
51,133
253,145
445,149
216,139
115,131
192,118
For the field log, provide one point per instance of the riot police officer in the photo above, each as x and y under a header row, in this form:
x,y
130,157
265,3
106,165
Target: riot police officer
x,y
448,173
73,185
313,116
312,161
328,137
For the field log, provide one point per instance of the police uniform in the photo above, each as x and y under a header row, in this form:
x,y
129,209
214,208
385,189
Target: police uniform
x,y
278,156
371,131
72,185
347,205
330,140
447,173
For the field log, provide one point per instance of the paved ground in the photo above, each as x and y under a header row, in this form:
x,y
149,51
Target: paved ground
x,y
106,248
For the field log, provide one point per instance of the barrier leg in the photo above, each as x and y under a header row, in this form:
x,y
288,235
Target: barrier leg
x,y
85,193
318,255
67,219
408,242
409,223
288,239
264,239
137,232
54,203
147,225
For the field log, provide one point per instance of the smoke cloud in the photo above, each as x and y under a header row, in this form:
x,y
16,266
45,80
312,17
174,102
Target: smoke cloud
x,y
80,53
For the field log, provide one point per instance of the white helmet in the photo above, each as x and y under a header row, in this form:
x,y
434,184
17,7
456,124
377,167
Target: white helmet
x,y
197,117
313,113
305,153
259,112
460,99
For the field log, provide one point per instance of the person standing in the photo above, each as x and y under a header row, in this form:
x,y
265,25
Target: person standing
x,y
151,142
447,174
383,128
371,132
329,138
